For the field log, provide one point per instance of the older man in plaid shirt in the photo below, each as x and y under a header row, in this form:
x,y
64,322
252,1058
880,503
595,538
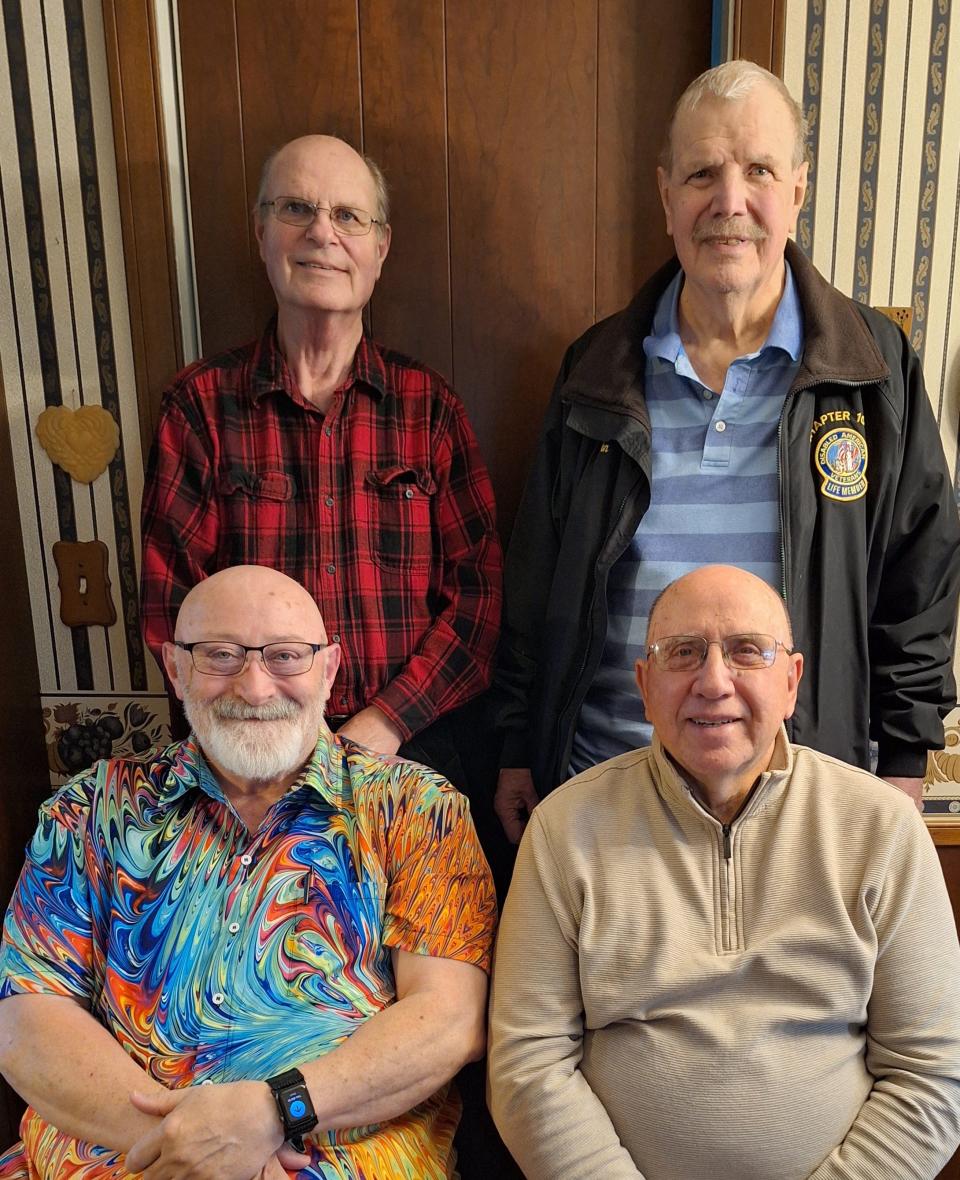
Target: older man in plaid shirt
x,y
348,467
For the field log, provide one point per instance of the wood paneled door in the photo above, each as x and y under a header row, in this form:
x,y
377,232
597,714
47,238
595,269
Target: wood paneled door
x,y
520,143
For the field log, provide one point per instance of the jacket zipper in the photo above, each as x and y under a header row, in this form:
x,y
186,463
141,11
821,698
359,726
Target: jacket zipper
x,y
729,900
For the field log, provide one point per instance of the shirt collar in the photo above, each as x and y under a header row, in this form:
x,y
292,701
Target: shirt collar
x,y
269,371
189,770
786,331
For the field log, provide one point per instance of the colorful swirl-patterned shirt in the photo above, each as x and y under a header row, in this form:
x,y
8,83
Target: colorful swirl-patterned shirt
x,y
216,954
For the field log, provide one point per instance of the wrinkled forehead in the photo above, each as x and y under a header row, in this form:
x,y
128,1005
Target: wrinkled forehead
x,y
758,123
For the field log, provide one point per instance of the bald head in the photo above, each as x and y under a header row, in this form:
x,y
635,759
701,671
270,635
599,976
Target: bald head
x,y
328,153
249,604
746,603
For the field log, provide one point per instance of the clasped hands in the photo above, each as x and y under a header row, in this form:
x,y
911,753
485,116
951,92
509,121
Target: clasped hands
x,y
229,1131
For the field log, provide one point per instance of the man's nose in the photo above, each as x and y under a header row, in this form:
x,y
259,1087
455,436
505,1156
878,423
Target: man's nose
x,y
730,193
714,678
321,228
255,684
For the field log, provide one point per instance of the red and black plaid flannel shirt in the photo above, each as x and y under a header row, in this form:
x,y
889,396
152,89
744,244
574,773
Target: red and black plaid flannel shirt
x,y
382,508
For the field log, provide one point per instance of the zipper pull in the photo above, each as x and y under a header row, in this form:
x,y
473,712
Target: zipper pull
x,y
727,851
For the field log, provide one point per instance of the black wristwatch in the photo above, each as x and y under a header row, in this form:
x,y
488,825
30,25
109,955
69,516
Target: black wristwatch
x,y
293,1102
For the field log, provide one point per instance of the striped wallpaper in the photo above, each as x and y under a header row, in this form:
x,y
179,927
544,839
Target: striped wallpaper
x,y
65,341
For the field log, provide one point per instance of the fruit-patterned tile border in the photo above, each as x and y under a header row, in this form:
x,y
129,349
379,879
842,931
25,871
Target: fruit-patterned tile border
x,y
80,728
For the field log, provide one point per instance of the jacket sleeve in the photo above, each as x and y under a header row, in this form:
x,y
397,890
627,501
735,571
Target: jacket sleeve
x,y
913,623
910,1122
180,522
528,580
453,661
549,1116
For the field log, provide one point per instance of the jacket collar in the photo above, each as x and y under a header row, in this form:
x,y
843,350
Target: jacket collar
x,y
607,380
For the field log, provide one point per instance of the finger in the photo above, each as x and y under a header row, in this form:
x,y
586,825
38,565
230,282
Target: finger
x,y
160,1102
144,1152
294,1161
513,825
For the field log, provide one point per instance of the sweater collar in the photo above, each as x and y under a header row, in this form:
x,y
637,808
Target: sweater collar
x,y
674,788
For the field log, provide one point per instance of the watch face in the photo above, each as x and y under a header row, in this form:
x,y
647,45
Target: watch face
x,y
296,1103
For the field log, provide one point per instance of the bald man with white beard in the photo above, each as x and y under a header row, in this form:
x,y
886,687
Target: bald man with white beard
x,y
260,950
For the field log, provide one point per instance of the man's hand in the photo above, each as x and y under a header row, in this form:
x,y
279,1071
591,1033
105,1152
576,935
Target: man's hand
x,y
515,799
220,1132
910,786
371,727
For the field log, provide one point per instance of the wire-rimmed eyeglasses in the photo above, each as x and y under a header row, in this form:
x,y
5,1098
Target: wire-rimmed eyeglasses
x,y
300,212
686,653
215,658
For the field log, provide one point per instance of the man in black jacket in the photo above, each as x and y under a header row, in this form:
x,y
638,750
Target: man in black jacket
x,y
740,409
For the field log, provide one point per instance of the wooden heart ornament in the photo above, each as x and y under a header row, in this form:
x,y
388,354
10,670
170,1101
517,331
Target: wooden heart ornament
x,y
81,441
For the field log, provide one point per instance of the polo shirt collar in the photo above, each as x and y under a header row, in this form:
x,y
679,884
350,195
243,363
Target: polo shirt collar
x,y
786,331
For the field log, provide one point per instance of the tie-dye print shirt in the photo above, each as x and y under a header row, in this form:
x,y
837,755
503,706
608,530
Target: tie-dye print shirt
x,y
215,954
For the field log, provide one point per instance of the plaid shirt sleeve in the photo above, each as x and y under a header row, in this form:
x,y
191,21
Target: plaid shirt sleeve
x,y
453,660
180,522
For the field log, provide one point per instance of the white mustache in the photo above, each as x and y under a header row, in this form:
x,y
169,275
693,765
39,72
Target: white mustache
x,y
232,709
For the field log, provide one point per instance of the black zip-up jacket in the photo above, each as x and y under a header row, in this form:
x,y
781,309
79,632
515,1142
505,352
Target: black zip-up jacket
x,y
871,577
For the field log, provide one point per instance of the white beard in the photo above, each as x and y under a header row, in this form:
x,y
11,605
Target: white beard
x,y
281,739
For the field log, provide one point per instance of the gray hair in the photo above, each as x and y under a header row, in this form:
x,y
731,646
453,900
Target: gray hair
x,y
382,211
733,81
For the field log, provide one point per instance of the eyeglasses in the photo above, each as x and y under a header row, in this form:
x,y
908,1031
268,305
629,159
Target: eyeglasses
x,y
686,653
344,219
213,658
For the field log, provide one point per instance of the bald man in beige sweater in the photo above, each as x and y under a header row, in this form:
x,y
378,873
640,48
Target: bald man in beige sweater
x,y
725,957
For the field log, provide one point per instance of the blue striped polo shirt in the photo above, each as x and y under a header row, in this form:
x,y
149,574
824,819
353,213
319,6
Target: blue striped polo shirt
x,y
715,498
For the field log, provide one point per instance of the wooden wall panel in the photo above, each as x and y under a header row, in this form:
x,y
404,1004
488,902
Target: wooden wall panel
x,y
144,204
758,32
522,127
404,130
225,257
634,103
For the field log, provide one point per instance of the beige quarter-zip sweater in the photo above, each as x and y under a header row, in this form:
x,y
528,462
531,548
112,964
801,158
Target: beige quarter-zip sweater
x,y
679,1001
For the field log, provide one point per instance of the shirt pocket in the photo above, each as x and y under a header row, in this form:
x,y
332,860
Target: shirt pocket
x,y
259,508
400,516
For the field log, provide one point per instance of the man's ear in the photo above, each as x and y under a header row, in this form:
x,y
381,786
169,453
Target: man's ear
x,y
640,671
331,655
794,676
385,234
663,184
172,668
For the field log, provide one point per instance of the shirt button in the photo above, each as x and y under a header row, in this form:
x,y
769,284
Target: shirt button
x,y
409,493
327,431
246,859
721,427
708,394
343,700
328,500
207,1082
234,927
335,637
331,568
218,998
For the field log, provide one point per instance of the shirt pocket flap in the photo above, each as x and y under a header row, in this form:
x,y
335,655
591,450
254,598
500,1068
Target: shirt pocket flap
x,y
259,485
399,479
